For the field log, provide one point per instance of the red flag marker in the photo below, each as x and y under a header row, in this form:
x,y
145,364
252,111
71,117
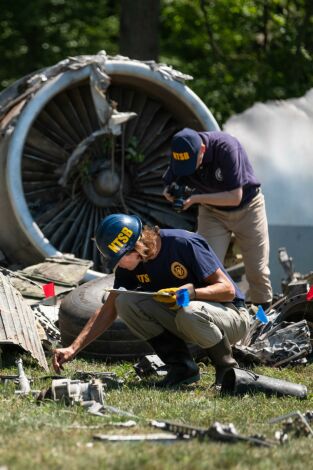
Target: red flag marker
x,y
49,289
309,295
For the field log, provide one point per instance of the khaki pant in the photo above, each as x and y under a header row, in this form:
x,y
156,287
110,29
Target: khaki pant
x,y
200,323
249,226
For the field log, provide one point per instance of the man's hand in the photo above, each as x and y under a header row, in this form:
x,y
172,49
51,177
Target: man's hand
x,y
169,300
189,202
190,288
166,299
60,356
167,195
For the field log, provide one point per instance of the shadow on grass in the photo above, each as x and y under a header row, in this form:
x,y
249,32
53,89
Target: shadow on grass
x,y
153,385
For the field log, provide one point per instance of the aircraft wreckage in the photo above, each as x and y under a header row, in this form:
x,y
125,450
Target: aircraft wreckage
x,y
84,138
79,140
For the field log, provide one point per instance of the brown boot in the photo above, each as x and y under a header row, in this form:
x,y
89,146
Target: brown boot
x,y
222,359
174,352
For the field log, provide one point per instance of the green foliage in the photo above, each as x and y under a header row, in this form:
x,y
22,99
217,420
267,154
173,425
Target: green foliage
x,y
132,152
52,435
239,51
39,33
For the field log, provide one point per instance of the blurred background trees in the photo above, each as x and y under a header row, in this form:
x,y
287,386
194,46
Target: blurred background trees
x,y
238,51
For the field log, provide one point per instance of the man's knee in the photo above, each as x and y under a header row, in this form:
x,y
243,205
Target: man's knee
x,y
184,320
122,304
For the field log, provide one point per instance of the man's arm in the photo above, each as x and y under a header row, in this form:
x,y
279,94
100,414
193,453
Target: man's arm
x,y
225,198
218,289
96,325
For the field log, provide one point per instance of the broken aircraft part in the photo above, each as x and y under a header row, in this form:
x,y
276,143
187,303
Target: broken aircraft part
x,y
48,116
297,308
65,271
150,364
295,424
216,432
17,322
48,323
240,381
24,385
75,391
109,379
279,344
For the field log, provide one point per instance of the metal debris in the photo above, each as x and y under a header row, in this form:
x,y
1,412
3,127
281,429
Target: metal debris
x,y
276,345
75,391
177,432
24,385
216,432
48,317
108,379
286,338
150,364
160,437
64,271
101,410
17,322
294,280
120,424
295,424
240,382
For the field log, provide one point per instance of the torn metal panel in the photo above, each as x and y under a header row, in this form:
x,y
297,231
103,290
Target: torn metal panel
x,y
17,322
47,317
32,290
280,344
67,271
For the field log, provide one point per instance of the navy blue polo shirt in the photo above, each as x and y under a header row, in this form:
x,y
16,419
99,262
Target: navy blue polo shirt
x,y
184,257
225,167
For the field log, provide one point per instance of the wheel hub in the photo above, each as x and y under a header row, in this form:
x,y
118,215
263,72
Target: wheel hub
x,y
102,188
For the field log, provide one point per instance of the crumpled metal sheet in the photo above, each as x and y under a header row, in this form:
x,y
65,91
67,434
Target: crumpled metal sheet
x,y
17,322
33,291
18,95
278,345
67,271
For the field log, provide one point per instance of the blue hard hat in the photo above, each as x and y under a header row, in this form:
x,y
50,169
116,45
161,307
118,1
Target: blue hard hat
x,y
116,235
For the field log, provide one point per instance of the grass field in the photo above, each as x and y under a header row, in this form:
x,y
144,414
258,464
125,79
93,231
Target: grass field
x,y
54,436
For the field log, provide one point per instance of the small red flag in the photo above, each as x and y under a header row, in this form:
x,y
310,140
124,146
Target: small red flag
x,y
49,289
309,295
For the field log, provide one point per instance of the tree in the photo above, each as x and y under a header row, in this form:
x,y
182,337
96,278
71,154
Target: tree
x,y
39,33
240,51
139,29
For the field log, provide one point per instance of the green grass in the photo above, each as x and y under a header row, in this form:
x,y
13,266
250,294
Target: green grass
x,y
46,436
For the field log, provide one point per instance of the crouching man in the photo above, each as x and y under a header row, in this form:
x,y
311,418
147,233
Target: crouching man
x,y
166,261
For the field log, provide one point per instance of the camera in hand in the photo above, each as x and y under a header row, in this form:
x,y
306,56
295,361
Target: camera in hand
x,y
180,193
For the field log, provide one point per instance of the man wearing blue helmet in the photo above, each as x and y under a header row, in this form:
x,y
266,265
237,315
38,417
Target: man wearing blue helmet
x,y
229,200
165,261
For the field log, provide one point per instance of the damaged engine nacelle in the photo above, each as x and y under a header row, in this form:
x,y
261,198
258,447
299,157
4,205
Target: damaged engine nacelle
x,y
82,139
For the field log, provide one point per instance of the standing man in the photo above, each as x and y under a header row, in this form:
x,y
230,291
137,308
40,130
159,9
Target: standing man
x,y
166,261
230,200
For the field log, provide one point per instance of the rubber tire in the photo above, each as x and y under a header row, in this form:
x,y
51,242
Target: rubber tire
x,y
118,343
